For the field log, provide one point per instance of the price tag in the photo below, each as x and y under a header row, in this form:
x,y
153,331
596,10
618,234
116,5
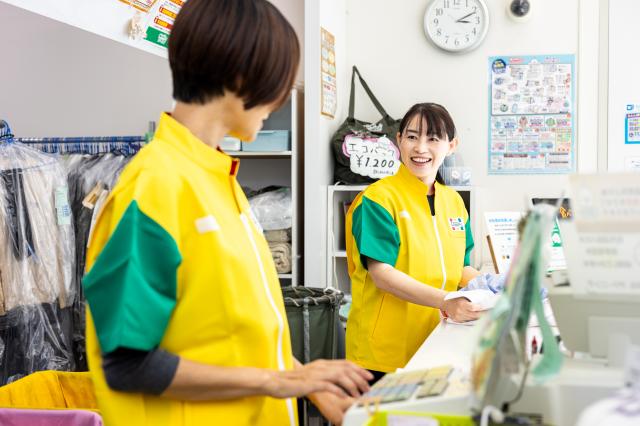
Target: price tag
x,y
373,157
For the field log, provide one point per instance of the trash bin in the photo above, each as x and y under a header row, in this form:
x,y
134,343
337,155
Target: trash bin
x,y
316,331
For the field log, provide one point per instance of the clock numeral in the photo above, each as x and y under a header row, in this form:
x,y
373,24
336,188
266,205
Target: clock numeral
x,y
475,8
446,39
446,4
477,19
456,42
466,3
439,11
456,2
439,32
466,38
475,31
435,21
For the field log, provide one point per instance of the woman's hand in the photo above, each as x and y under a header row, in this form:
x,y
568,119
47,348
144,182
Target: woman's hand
x,y
339,377
331,406
461,310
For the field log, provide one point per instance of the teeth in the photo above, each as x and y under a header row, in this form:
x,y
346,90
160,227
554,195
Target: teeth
x,y
421,160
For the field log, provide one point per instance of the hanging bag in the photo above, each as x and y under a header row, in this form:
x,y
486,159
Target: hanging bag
x,y
365,152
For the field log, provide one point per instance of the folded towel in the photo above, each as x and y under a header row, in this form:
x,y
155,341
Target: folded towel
x,y
278,235
281,253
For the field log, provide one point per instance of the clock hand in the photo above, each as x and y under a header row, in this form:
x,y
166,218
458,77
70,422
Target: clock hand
x,y
463,22
466,16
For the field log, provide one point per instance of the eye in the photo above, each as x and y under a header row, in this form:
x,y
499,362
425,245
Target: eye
x,y
412,137
433,139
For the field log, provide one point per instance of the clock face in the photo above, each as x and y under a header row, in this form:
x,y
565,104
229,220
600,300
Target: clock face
x,y
456,25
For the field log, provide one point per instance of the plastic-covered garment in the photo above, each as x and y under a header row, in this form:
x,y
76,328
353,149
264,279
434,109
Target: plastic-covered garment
x,y
273,209
494,283
90,178
36,263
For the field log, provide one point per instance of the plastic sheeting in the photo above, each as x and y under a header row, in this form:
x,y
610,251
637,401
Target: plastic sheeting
x,y
47,207
37,251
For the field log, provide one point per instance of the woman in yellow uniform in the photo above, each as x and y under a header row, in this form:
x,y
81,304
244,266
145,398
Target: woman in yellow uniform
x,y
408,244
186,322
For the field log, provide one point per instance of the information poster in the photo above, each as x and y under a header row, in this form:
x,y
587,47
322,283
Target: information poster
x,y
502,228
141,5
632,124
329,92
532,119
161,21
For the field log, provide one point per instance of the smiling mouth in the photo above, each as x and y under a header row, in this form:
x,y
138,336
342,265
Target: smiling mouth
x,y
421,161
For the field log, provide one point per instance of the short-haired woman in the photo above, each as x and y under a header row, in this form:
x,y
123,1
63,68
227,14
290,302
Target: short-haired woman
x,y
186,322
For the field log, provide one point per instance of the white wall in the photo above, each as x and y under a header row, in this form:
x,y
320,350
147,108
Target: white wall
x,y
386,41
293,10
57,80
331,15
624,81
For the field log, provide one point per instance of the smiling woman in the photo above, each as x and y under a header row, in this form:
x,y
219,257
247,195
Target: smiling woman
x,y
408,244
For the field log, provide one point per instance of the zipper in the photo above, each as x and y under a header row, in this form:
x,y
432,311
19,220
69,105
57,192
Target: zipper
x,y
444,271
272,302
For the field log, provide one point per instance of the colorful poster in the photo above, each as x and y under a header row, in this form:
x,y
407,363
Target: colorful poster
x,y
632,124
161,21
502,228
141,5
329,92
532,120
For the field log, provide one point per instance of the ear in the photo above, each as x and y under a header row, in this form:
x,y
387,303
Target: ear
x,y
453,144
398,138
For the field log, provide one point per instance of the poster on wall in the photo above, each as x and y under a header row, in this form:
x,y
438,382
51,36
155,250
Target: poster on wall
x,y
161,21
632,124
141,5
329,92
531,114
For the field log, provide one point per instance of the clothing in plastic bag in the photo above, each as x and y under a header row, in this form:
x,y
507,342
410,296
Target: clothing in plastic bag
x,y
273,209
493,282
36,263
90,178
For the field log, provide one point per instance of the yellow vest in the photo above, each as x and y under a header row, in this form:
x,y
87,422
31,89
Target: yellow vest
x,y
391,222
175,261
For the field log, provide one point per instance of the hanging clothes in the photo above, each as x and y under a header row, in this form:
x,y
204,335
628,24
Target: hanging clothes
x,y
36,263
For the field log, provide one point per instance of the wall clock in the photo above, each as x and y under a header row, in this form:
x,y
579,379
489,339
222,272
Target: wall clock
x,y
456,26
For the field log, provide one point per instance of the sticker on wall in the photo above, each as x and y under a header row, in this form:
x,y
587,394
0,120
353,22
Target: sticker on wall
x,y
161,21
329,92
142,5
632,124
531,120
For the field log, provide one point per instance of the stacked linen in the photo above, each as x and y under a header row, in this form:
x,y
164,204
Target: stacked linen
x,y
280,245
272,210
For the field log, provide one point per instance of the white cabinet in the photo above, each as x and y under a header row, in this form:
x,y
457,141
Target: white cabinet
x,y
338,199
282,168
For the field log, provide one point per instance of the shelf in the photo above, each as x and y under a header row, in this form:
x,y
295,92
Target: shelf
x,y
289,276
259,154
347,188
340,253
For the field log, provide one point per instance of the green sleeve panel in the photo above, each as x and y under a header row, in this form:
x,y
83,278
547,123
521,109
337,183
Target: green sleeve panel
x,y
375,233
131,288
470,243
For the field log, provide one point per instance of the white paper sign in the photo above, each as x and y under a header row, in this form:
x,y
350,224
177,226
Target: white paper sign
x,y
602,244
503,231
373,157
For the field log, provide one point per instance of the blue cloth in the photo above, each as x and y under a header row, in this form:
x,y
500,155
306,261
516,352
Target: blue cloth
x,y
494,283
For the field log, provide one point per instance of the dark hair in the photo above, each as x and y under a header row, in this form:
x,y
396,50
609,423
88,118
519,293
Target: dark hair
x,y
438,120
244,46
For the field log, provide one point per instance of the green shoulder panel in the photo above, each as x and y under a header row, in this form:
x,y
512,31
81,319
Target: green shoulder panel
x,y
131,288
470,243
375,233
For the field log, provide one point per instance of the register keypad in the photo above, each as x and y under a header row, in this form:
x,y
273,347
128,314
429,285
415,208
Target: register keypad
x,y
396,387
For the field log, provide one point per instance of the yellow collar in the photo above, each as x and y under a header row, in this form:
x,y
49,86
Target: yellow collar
x,y
178,136
413,183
